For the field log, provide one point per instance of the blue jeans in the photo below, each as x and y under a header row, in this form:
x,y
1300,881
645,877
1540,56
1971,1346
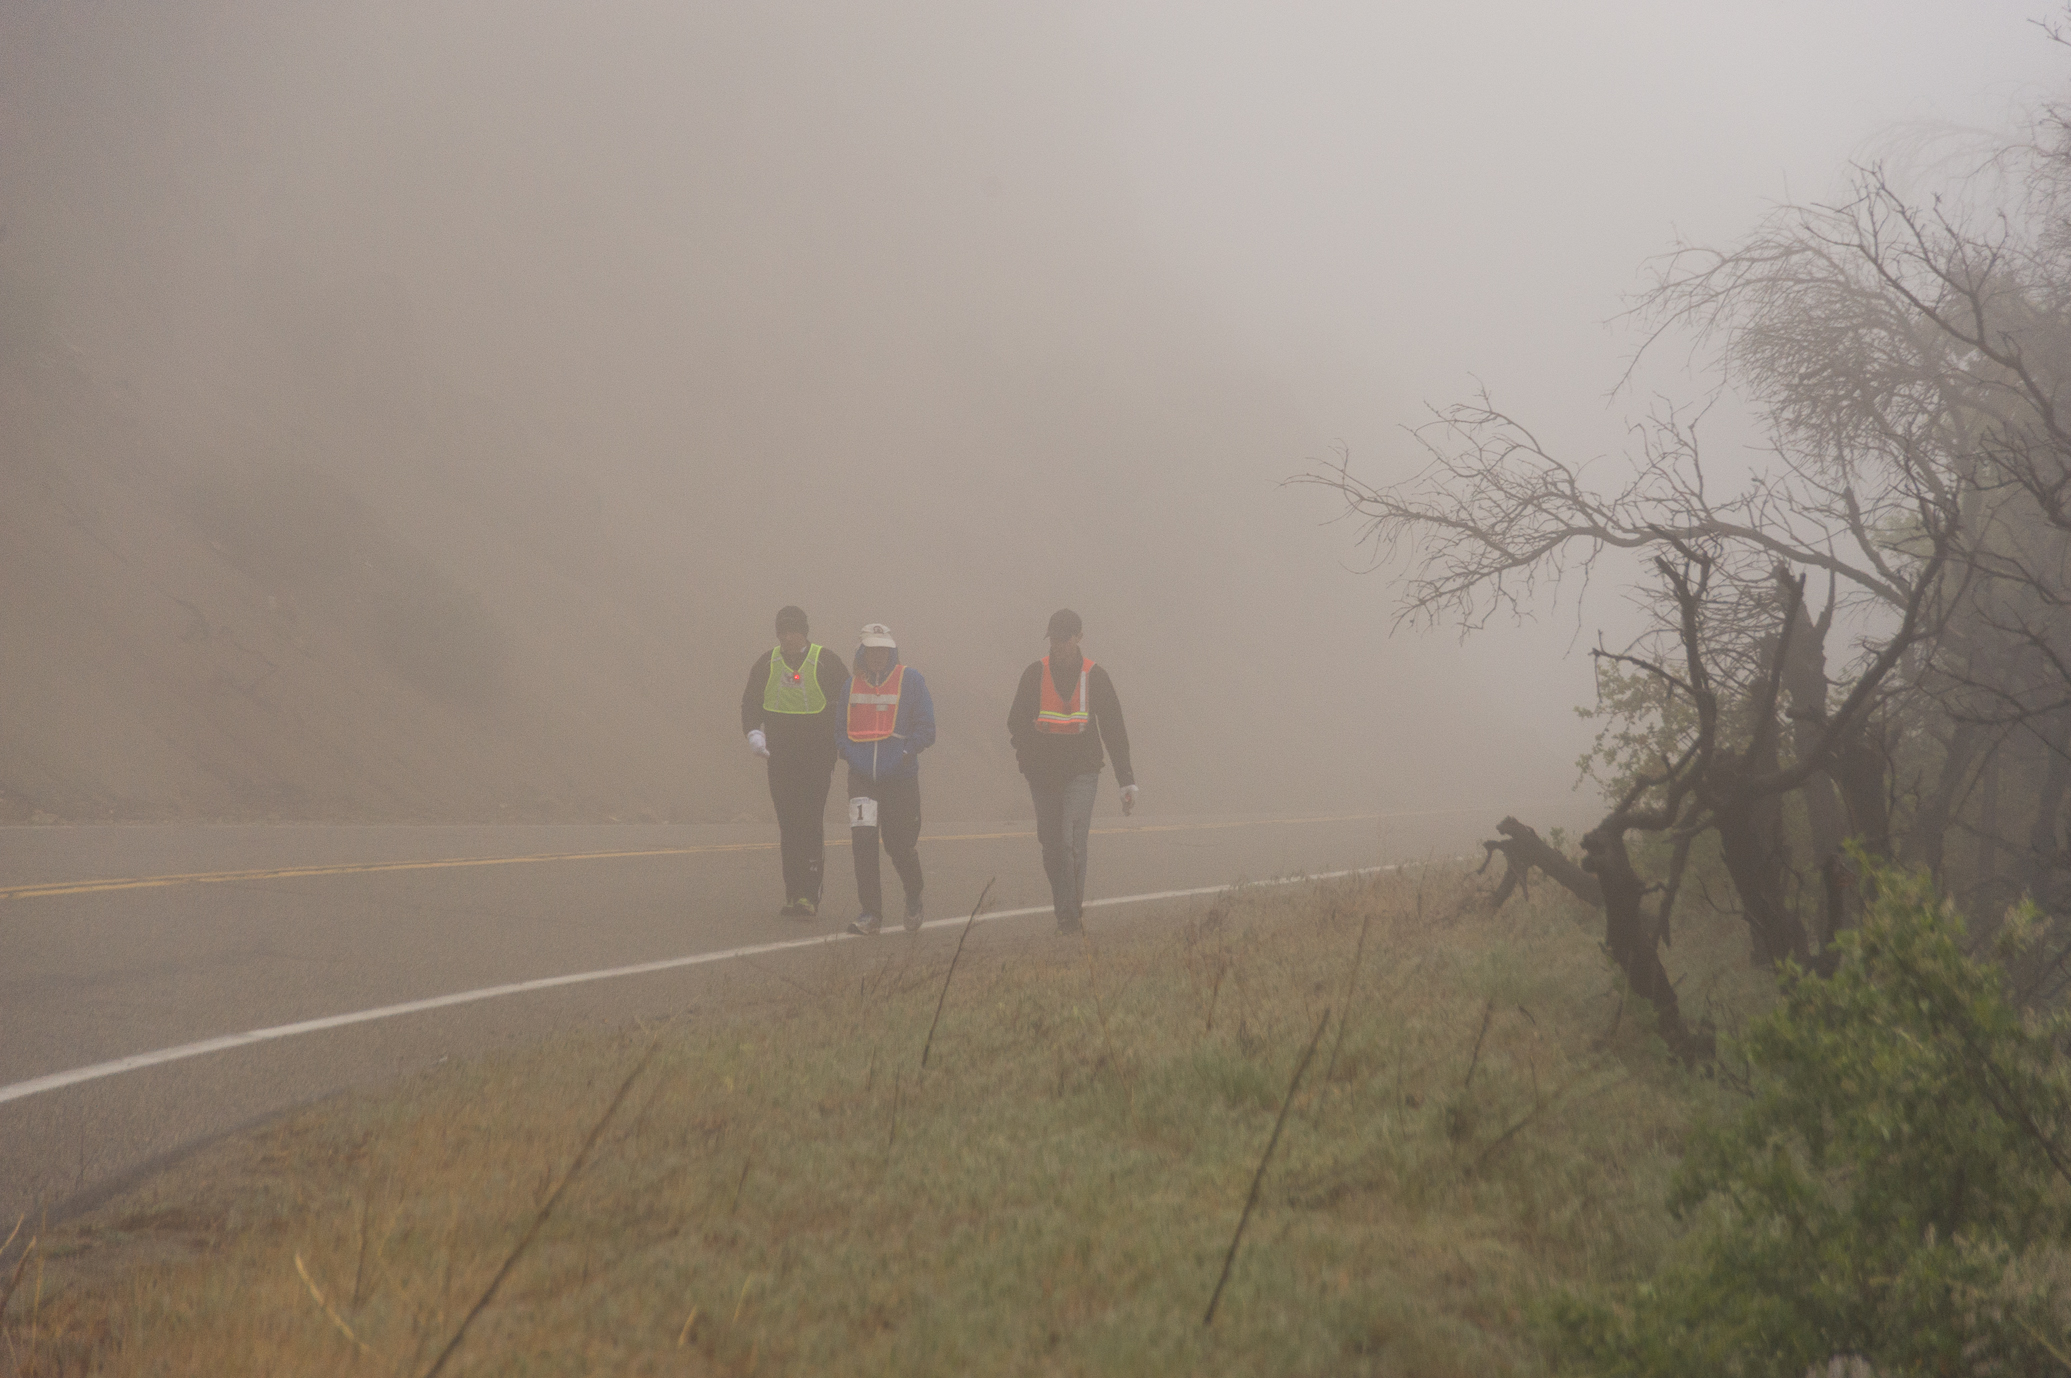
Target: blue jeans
x,y
1064,815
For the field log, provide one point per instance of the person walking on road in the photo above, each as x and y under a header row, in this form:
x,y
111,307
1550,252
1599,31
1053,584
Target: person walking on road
x,y
787,712
1064,710
885,719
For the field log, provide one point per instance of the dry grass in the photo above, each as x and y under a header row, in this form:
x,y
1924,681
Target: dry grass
x,y
786,1190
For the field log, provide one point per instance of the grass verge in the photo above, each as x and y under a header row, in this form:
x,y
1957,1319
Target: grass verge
x,y
783,1188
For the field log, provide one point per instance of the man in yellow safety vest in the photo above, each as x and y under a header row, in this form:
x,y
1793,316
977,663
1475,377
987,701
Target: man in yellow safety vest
x,y
787,712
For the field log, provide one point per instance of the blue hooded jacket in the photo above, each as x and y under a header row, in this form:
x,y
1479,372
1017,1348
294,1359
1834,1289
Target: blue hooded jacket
x,y
913,730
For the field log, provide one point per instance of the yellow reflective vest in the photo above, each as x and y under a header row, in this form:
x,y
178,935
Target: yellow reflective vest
x,y
794,691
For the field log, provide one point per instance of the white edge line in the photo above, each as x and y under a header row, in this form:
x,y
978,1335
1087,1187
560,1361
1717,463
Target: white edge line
x,y
57,1081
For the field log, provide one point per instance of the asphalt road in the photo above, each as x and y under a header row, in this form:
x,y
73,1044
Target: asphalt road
x,y
124,940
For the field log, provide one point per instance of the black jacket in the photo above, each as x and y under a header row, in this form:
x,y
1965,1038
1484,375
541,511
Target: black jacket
x,y
1051,757
802,734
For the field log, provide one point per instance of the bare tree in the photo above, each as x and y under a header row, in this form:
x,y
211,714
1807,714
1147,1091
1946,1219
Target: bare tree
x,y
1908,354
1496,518
1923,345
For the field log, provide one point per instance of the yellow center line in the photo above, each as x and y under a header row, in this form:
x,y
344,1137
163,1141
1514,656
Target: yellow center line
x,y
361,868
89,887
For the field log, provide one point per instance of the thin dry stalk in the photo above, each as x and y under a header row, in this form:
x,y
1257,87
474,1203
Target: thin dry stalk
x,y
450,1254
1258,1178
359,1269
742,1304
2036,1335
929,1045
1107,1040
1351,984
539,1221
1488,1012
15,1279
1539,1109
735,1204
898,1089
328,1309
36,1311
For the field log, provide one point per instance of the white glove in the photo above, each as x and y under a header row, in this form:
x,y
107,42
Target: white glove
x,y
1128,799
758,743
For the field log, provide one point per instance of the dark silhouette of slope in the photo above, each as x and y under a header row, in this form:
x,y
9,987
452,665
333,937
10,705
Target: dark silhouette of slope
x,y
195,636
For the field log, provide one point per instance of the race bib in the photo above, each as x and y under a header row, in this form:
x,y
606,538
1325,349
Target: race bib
x,y
863,812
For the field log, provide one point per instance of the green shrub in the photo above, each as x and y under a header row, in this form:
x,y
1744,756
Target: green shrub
x,y
1895,1188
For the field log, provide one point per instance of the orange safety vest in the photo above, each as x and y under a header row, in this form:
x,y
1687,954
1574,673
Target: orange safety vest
x,y
1055,714
874,709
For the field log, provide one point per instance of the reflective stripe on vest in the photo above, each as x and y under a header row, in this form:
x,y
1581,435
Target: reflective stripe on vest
x,y
794,691
1054,714
873,709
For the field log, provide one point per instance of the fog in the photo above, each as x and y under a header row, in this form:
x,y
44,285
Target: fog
x,y
422,411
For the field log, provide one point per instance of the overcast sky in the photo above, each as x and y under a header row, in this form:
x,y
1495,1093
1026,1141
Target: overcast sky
x,y
1397,196
1391,204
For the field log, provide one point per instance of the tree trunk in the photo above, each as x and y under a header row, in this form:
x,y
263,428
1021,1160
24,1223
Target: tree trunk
x,y
1979,899
1931,827
1806,686
1756,868
1523,850
2044,847
1859,770
1751,844
1630,935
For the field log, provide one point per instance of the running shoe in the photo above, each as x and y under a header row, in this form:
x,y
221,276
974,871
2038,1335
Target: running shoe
x,y
863,925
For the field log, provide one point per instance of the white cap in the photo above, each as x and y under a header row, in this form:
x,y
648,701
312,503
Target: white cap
x,y
877,634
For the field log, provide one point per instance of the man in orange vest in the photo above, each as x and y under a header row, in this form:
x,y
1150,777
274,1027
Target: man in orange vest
x,y
885,718
1064,709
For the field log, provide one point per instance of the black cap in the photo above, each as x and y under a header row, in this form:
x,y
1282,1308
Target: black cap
x,y
791,618
1064,625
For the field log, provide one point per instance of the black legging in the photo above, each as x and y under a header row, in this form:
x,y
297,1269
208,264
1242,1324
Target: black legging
x,y
898,825
798,787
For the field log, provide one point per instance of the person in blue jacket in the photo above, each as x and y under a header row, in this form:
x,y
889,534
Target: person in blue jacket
x,y
883,720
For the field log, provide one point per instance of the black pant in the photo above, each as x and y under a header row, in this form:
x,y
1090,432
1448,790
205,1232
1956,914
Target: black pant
x,y
898,824
798,787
